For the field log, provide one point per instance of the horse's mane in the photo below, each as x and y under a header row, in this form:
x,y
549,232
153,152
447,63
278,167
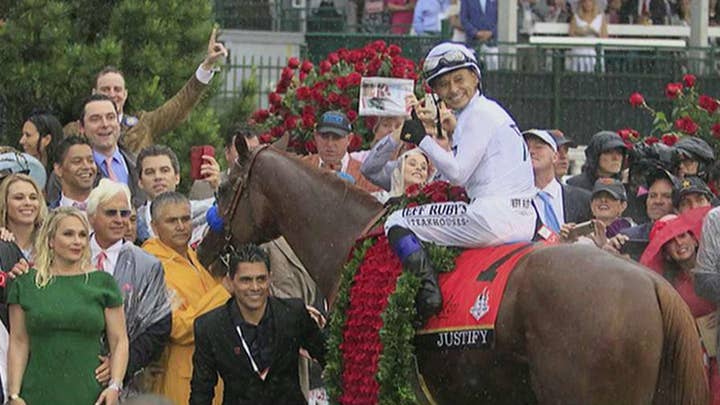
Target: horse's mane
x,y
334,183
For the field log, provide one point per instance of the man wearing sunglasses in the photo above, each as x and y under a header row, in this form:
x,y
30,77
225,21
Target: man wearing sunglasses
x,y
489,158
139,275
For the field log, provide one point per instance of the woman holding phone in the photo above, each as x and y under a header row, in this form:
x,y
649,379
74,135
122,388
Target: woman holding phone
x,y
59,311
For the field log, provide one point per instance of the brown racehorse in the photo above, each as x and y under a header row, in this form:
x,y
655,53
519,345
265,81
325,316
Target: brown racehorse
x,y
577,325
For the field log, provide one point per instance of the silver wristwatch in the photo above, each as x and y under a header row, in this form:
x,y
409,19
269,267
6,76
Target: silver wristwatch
x,y
115,385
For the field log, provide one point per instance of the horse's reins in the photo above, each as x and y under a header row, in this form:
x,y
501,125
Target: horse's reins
x,y
229,213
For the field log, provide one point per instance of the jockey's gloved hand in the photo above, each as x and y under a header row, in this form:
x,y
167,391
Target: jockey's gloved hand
x,y
413,130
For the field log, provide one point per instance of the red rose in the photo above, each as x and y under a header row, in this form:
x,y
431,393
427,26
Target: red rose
x,y
629,145
274,98
672,90
308,110
286,74
669,139
637,99
325,67
333,97
265,138
291,122
344,101
687,125
707,103
689,80
439,197
351,115
651,140
716,130
624,133
306,66
310,146
413,191
360,67
374,66
343,53
413,203
398,71
333,58
354,78
277,131
355,143
293,63
341,82
303,93
308,121
261,115
379,45
281,87
354,56
302,76
394,50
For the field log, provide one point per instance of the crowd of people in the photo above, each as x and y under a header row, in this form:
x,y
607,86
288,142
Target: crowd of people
x,y
106,300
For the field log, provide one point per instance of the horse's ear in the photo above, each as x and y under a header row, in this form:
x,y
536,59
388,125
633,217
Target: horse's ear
x,y
242,149
282,142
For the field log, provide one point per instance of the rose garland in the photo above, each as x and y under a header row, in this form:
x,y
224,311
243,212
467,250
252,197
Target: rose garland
x,y
693,114
370,353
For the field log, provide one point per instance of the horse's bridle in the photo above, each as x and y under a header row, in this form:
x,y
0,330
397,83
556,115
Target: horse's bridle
x,y
229,214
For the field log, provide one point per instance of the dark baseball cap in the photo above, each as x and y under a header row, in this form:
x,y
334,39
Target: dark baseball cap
x,y
610,185
694,184
334,122
561,139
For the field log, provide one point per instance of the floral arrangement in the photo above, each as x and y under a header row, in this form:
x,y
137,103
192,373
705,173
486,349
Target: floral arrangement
x,y
305,91
370,347
693,114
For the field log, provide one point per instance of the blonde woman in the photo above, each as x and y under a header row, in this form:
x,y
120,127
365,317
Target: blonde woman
x,y
588,20
413,168
59,311
22,211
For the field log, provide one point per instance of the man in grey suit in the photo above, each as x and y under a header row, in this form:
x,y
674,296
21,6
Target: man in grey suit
x,y
569,204
139,275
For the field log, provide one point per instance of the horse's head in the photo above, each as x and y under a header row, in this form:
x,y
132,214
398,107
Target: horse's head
x,y
244,209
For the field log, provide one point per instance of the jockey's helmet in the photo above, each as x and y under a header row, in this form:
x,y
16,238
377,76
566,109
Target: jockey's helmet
x,y
446,57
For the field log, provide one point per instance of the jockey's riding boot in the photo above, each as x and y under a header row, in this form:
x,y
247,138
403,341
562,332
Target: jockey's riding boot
x,y
414,259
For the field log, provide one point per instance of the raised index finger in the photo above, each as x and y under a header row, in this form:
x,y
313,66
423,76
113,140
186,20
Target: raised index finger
x,y
212,36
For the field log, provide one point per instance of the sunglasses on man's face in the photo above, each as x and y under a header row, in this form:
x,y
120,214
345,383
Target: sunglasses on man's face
x,y
114,213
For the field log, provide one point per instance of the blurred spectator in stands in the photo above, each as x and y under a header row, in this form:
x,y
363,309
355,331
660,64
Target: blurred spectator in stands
x,y
604,157
401,15
563,161
41,135
588,21
75,172
555,11
645,12
22,212
140,276
375,18
695,157
332,137
193,291
681,16
714,12
529,13
613,11
453,15
426,16
159,170
479,19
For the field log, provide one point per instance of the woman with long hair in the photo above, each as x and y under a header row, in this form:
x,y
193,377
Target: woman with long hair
x,y
413,168
588,20
41,134
22,212
59,312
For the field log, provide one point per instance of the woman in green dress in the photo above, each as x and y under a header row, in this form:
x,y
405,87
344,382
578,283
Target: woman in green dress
x,y
58,313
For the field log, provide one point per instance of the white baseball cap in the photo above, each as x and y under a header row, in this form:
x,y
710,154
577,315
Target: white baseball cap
x,y
544,135
449,56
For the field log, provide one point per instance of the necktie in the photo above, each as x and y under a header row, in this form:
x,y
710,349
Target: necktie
x,y
101,260
111,173
80,205
550,218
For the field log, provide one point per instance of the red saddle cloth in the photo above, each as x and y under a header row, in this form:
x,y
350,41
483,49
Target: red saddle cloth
x,y
472,294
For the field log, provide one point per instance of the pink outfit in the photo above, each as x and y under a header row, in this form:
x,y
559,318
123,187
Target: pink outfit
x,y
401,21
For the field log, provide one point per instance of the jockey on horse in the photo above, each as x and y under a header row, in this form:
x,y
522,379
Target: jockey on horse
x,y
489,158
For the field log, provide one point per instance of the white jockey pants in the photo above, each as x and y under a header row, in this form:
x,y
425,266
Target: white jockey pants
x,y
482,222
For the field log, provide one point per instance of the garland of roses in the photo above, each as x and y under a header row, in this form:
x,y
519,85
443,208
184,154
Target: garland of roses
x,y
370,347
692,114
305,91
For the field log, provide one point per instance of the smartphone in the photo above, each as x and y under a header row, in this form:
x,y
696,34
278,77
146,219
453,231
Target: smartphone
x,y
582,229
196,160
634,248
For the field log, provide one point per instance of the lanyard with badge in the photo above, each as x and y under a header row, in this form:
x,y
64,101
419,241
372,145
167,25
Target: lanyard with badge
x,y
262,374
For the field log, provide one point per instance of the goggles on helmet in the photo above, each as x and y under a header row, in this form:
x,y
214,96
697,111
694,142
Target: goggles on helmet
x,y
433,64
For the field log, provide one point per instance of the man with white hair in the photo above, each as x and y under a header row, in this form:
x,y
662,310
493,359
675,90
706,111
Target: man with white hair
x,y
139,275
488,157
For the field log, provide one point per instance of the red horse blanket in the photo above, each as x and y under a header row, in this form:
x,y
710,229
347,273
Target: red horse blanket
x,y
471,298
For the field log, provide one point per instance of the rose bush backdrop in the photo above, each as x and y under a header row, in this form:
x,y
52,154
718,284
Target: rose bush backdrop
x,y
304,91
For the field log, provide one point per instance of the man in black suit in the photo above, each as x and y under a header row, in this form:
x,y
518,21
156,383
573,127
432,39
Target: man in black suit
x,y
253,340
569,204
